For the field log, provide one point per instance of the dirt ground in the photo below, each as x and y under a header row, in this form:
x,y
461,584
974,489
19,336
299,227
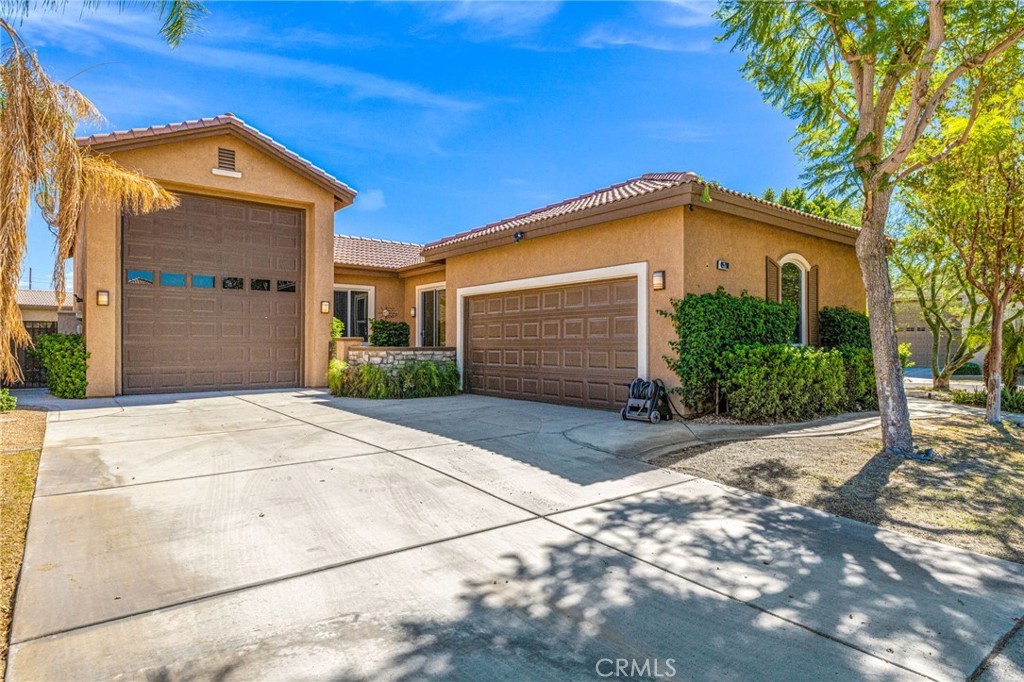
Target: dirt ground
x,y
21,441
973,497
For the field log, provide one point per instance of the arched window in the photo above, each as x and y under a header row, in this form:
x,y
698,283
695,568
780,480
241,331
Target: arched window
x,y
794,290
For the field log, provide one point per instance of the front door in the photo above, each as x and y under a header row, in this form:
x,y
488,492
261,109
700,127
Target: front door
x,y
432,305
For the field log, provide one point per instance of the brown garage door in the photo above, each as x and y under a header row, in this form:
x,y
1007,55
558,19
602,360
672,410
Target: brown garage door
x,y
212,297
574,344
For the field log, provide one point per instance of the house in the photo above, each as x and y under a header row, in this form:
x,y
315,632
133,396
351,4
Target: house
x,y
236,287
41,315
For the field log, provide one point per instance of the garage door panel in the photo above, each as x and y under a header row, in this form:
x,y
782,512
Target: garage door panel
x,y
575,344
200,338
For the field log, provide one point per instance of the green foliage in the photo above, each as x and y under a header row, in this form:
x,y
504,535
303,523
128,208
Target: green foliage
x,y
861,389
904,351
7,401
387,333
821,204
63,357
1012,398
707,325
783,383
968,369
843,327
337,328
419,379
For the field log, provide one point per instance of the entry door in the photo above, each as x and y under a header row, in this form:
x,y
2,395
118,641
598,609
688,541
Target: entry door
x,y
432,305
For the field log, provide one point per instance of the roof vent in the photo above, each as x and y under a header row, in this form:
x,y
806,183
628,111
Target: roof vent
x,y
226,159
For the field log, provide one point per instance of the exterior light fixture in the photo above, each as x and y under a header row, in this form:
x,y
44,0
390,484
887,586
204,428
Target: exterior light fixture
x,y
412,311
658,280
518,237
102,297
325,307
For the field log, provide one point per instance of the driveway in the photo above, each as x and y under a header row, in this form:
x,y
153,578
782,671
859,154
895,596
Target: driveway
x,y
290,535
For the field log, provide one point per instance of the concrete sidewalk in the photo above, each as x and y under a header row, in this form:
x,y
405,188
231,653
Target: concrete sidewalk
x,y
291,535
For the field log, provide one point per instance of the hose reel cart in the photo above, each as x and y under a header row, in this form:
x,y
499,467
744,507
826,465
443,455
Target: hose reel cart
x,y
648,401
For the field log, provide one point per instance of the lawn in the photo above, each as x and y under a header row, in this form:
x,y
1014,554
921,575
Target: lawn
x,y
21,440
972,498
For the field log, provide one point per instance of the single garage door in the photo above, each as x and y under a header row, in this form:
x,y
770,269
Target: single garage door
x,y
574,344
212,297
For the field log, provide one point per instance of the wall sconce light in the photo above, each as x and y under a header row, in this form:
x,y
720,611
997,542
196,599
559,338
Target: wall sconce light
x,y
518,237
658,280
325,307
412,311
102,297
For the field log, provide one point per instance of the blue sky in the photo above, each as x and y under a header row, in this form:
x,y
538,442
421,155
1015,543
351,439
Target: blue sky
x,y
445,116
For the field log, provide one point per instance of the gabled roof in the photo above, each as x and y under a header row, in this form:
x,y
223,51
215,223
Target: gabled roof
x,y
636,191
375,253
40,298
225,123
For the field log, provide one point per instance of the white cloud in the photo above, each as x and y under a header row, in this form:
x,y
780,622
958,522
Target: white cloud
x,y
602,37
369,200
688,13
488,19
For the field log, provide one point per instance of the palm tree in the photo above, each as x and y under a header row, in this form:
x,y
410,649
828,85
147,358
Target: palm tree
x,y
40,157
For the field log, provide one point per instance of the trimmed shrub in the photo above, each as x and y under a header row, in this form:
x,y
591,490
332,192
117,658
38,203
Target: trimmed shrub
x,y
337,328
861,389
387,333
968,369
63,358
7,401
708,325
782,383
421,379
843,327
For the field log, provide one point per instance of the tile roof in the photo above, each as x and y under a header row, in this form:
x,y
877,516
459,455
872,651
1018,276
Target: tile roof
x,y
40,298
649,183
375,253
231,122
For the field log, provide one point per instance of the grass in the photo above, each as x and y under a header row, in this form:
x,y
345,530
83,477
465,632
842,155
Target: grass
x,y
972,498
21,441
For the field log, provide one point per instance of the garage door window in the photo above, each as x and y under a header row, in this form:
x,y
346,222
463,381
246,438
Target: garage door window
x,y
259,284
172,279
234,283
202,281
140,277
286,285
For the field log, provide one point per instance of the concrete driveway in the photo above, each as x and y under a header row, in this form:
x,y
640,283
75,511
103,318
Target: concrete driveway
x,y
289,535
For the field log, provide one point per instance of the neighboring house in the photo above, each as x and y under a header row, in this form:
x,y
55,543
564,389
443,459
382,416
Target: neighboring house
x,y
41,315
236,288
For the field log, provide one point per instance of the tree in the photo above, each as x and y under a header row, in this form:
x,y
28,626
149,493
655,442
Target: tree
x,y
975,197
820,204
40,157
867,81
929,272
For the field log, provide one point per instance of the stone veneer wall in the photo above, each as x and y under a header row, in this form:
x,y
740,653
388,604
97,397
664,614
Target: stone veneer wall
x,y
391,357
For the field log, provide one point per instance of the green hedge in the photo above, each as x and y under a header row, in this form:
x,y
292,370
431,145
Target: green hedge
x,y
420,379
841,326
387,333
708,325
968,369
63,357
782,383
861,389
7,401
337,328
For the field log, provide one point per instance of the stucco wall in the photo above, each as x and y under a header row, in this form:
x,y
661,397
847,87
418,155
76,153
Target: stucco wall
x,y
38,315
655,238
388,289
185,166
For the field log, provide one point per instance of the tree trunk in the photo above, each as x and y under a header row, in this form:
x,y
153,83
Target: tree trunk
x,y
940,382
994,369
872,248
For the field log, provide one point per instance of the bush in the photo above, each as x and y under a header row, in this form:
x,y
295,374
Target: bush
x,y
843,327
968,369
707,325
781,383
387,333
904,352
861,389
63,358
420,379
7,401
337,328
1013,398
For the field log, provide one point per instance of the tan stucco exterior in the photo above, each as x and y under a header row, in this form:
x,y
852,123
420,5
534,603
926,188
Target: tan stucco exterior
x,y
185,165
395,289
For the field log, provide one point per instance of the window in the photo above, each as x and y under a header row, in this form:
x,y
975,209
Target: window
x,y
259,284
172,279
235,283
202,281
432,317
286,285
352,307
793,292
140,277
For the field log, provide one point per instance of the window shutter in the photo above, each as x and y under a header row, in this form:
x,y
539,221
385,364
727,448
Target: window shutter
x,y
813,337
771,280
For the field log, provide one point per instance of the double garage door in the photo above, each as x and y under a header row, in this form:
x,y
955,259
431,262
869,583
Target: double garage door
x,y
212,297
575,344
